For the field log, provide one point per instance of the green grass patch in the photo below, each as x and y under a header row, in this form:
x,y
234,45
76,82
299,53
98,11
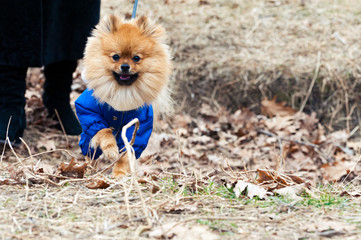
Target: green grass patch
x,y
322,196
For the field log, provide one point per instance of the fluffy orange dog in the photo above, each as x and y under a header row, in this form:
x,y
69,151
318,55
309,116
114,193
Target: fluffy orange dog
x,y
127,67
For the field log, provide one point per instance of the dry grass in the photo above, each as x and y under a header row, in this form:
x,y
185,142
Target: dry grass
x,y
75,212
181,201
235,53
231,53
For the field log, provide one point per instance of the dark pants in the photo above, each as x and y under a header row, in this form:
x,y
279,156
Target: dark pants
x,y
56,96
57,86
12,102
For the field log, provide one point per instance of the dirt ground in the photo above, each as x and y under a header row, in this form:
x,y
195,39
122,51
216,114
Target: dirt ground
x,y
75,212
231,163
190,179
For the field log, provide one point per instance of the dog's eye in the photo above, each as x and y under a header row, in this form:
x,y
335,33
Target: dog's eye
x,y
116,57
136,58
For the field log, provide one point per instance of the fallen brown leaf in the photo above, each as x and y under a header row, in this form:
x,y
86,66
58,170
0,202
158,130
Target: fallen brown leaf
x,y
72,169
351,193
97,183
309,121
155,189
279,180
208,113
334,171
271,108
8,182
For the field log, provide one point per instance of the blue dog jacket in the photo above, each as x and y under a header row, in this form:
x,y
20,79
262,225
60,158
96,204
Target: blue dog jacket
x,y
95,116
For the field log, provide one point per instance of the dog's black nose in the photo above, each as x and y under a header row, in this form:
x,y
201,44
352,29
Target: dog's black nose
x,y
125,67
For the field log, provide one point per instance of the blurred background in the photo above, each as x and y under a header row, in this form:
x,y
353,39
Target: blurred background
x,y
235,53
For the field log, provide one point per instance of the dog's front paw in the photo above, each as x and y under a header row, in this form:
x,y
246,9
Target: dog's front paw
x,y
111,152
107,143
121,168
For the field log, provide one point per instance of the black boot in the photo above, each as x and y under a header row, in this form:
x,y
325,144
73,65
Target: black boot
x,y
57,88
12,103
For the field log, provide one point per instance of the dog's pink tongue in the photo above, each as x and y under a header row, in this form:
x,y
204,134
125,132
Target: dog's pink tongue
x,y
124,77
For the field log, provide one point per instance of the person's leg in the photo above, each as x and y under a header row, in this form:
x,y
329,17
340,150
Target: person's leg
x,y
56,96
12,103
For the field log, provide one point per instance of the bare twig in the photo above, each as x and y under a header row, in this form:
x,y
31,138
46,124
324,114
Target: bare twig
x,y
312,82
132,162
62,128
353,131
13,151
270,134
50,151
345,90
27,147
180,159
352,169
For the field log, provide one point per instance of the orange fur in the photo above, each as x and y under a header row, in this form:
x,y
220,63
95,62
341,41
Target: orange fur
x,y
121,167
107,143
140,37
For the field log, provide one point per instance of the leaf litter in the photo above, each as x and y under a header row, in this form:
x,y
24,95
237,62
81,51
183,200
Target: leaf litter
x,y
281,150
72,169
239,145
251,155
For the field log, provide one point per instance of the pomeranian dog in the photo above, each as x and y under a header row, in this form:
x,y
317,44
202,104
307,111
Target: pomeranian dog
x,y
127,68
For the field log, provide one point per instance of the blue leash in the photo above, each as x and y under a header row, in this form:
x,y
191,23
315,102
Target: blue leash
x,y
134,8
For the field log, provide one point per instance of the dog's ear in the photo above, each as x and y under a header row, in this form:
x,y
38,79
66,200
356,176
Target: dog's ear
x,y
108,24
149,28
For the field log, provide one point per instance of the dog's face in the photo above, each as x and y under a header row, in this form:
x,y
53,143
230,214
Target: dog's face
x,y
127,63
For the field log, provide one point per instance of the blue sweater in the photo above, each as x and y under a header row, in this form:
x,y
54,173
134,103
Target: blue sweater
x,y
94,116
